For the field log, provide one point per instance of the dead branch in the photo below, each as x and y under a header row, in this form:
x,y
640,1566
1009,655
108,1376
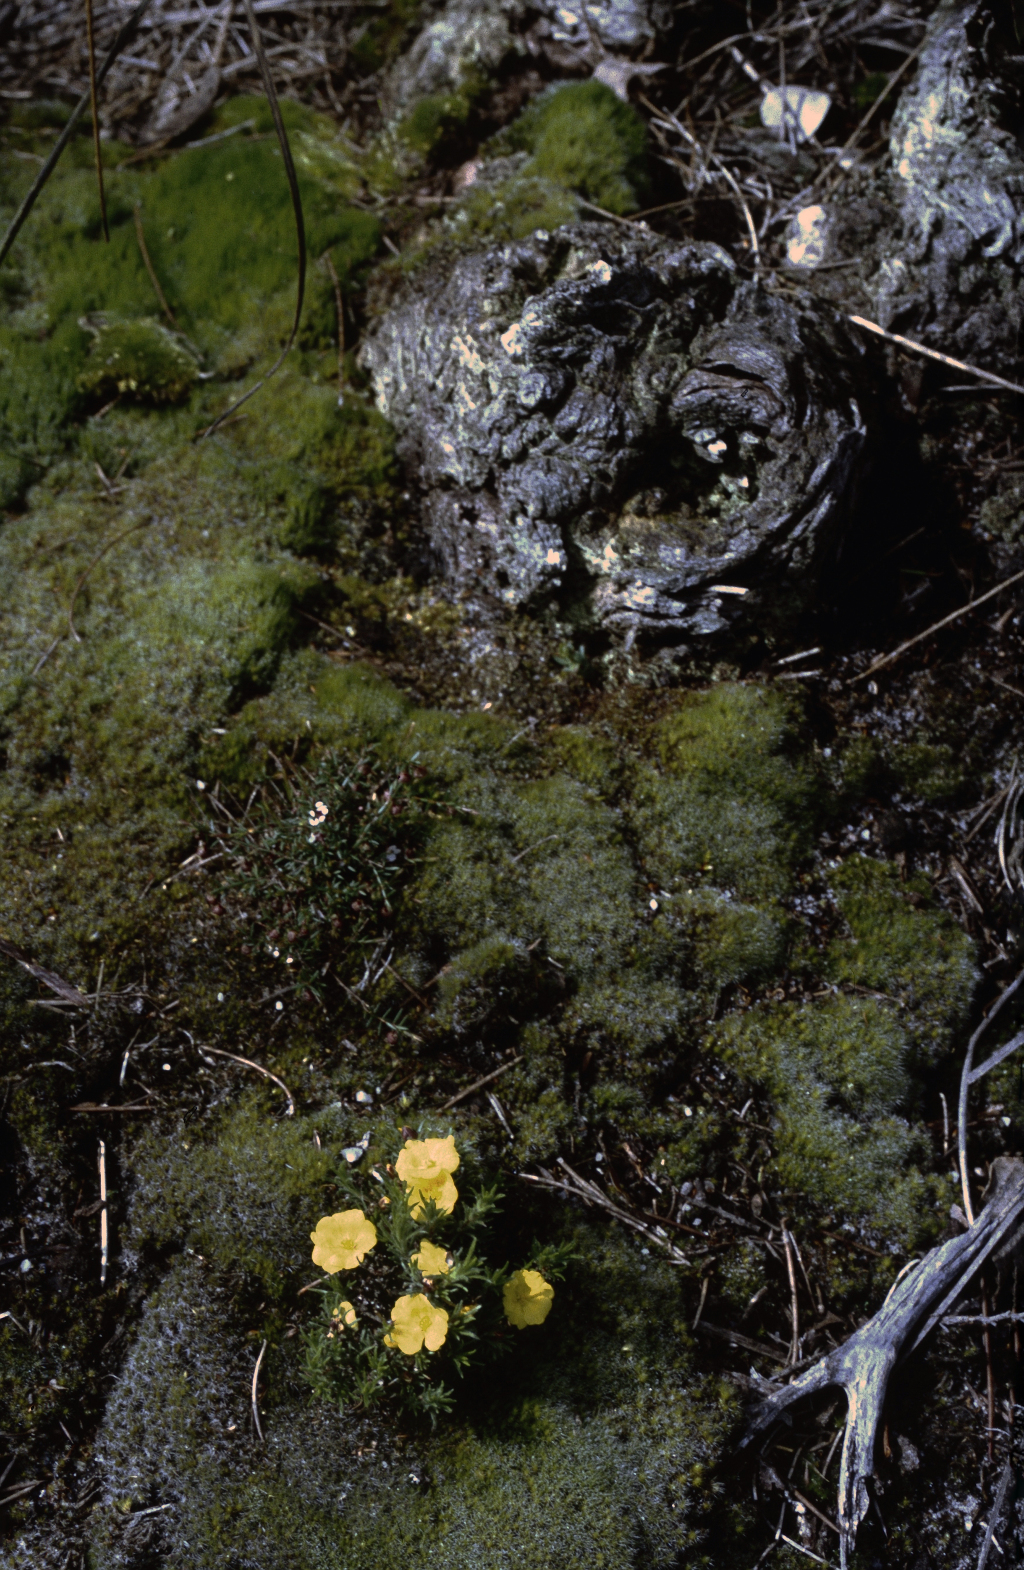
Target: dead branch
x,y
862,1366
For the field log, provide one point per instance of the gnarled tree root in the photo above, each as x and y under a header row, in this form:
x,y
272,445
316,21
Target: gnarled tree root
x,y
864,1363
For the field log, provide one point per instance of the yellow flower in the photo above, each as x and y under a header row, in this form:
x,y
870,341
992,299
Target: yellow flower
x,y
425,1167
432,1261
417,1324
528,1298
343,1318
342,1240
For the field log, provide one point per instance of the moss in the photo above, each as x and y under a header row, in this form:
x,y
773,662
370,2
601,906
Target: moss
x,y
738,798
741,1275
838,1074
244,1195
596,1447
301,428
1001,514
140,360
592,759
912,952
933,771
582,137
220,233
381,37
434,119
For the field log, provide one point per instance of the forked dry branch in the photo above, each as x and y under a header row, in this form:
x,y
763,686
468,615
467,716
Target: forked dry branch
x,y
863,1365
920,1299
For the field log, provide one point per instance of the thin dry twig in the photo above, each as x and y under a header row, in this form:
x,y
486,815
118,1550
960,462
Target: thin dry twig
x,y
339,306
994,1514
255,1383
665,117
947,621
580,1188
125,34
104,1240
934,354
235,1058
787,1243
49,978
970,1075
151,270
480,1083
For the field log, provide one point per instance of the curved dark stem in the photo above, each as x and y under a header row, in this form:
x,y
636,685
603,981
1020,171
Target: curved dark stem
x,y
300,227
125,36
97,149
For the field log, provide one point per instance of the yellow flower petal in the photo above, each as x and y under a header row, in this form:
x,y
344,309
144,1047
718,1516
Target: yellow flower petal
x,y
527,1299
440,1189
432,1260
345,1314
417,1323
342,1240
426,1159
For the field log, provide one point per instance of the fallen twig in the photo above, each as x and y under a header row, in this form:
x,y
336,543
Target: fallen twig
x,y
934,354
103,1213
995,1513
23,1488
255,1382
479,1083
794,1303
49,978
151,270
235,1058
666,117
580,1188
863,1365
946,621
102,1106
970,1075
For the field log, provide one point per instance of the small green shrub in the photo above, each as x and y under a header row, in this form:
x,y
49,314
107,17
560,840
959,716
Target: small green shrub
x,y
319,866
445,1311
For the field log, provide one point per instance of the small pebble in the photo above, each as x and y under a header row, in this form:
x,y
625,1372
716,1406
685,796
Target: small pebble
x,y
353,1153
364,1098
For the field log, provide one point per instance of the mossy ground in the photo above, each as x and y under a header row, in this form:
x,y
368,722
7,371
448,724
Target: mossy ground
x,y
629,915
